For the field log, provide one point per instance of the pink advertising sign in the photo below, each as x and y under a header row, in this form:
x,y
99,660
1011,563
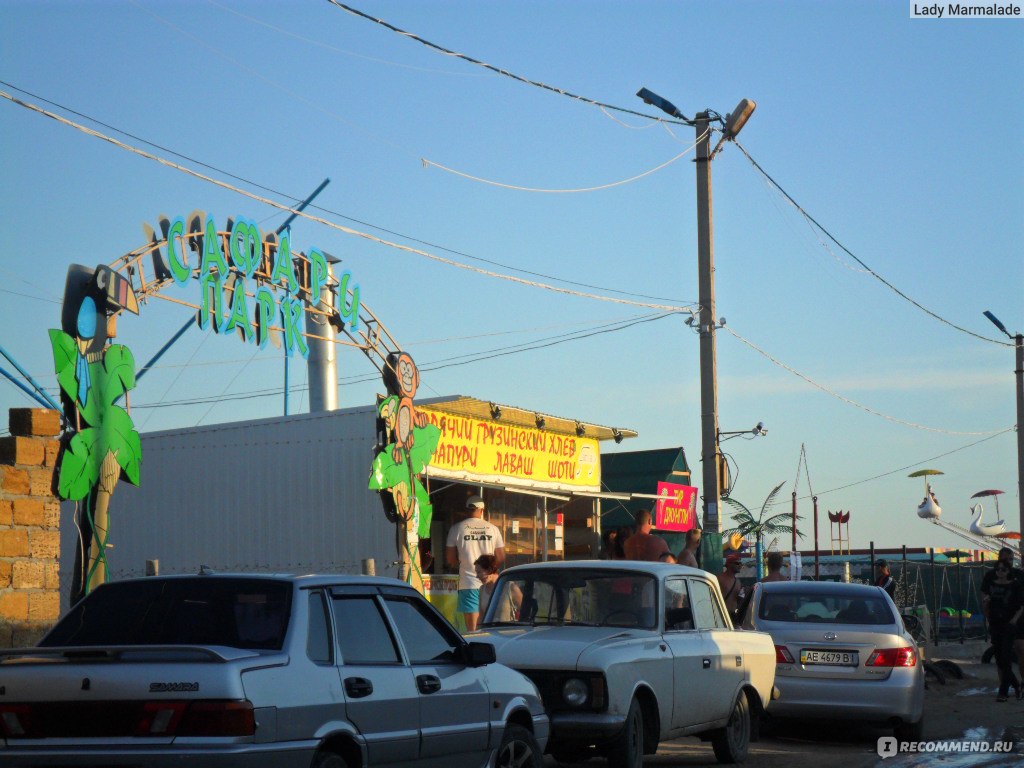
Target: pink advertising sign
x,y
676,509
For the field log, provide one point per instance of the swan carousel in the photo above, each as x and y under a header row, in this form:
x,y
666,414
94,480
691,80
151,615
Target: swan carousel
x,y
996,529
988,536
929,508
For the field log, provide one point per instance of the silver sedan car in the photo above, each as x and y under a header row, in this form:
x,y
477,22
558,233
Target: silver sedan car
x,y
841,651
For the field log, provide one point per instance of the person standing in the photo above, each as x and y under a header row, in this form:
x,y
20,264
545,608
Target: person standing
x,y
688,555
1002,599
644,545
775,567
885,579
467,541
733,592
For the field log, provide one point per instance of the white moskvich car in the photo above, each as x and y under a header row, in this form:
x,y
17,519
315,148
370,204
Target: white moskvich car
x,y
627,654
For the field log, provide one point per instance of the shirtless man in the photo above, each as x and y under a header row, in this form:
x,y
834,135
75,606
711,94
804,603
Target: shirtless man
x,y
688,555
732,588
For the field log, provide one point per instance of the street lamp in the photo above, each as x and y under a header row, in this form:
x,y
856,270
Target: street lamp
x,y
724,480
1018,342
732,124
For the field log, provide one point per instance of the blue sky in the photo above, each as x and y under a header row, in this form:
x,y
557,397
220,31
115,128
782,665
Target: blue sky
x,y
900,136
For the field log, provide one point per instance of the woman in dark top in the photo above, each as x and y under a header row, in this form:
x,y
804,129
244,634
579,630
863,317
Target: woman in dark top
x,y
1005,606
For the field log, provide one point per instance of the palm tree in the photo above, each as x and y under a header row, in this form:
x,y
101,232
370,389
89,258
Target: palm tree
x,y
764,524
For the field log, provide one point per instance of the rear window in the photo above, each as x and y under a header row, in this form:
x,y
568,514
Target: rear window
x,y
235,612
826,609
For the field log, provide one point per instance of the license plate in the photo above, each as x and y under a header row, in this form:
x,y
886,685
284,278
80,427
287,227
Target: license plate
x,y
835,658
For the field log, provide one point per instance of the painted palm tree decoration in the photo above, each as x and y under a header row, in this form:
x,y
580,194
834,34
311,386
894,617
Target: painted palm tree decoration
x,y
765,523
101,445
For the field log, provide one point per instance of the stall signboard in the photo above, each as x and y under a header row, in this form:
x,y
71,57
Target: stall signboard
x,y
481,450
676,509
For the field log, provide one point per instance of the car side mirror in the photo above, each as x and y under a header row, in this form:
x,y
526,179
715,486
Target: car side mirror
x,y
477,654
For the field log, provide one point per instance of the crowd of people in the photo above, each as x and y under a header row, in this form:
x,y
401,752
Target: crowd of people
x,y
475,548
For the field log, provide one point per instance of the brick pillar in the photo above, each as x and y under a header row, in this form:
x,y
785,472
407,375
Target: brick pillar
x,y
29,527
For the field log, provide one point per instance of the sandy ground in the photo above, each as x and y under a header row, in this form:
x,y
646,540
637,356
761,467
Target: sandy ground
x,y
961,709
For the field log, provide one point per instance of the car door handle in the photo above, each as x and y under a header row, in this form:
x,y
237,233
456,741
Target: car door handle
x,y
706,664
428,683
358,687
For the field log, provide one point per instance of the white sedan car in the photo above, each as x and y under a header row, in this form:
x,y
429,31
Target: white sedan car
x,y
627,654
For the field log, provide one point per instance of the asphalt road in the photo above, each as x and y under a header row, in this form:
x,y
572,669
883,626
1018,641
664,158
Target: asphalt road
x,y
961,710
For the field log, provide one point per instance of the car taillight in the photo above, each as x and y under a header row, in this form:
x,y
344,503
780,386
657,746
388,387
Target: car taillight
x,y
893,657
218,718
15,720
160,718
196,718
782,655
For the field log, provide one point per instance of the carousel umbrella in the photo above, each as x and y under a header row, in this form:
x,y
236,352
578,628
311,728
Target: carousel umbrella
x,y
993,492
923,472
958,554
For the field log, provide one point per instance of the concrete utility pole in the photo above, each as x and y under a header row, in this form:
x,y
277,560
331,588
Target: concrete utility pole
x,y
1018,342
708,346
732,124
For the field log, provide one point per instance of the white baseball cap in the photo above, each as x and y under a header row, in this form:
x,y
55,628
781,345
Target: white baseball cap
x,y
474,502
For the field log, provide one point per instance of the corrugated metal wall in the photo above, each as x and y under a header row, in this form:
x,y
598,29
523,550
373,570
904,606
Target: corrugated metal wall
x,y
285,494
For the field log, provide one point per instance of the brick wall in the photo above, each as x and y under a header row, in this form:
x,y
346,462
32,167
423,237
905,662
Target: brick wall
x,y
29,527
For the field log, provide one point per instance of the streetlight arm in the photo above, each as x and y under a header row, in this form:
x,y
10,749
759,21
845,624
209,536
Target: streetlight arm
x,y
996,323
666,106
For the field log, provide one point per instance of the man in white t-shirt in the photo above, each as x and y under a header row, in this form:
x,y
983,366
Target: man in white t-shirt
x,y
467,540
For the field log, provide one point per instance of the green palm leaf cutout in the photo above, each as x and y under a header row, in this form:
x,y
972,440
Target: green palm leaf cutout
x,y
65,353
79,466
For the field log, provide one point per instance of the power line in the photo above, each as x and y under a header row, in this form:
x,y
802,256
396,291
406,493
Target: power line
x,y
908,466
854,256
847,400
327,222
323,209
427,163
497,70
425,367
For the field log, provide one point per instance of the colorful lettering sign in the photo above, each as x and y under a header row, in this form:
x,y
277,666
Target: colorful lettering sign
x,y
489,451
238,270
676,509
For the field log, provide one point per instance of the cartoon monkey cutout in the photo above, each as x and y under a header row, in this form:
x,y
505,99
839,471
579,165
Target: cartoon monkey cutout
x,y
402,378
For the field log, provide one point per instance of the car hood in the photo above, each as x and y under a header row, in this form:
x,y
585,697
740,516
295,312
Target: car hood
x,y
556,647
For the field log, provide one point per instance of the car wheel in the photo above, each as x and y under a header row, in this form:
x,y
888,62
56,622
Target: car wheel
x,y
732,742
329,760
628,750
518,749
909,731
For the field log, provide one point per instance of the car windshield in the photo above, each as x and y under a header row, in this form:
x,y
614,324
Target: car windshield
x,y
590,597
235,612
823,608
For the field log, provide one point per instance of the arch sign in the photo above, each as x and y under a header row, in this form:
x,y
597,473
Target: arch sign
x,y
248,283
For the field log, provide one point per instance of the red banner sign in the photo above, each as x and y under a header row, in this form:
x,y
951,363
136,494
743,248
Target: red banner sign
x,y
676,509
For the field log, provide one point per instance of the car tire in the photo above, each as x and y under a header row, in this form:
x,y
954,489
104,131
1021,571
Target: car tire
x,y
909,731
329,760
732,743
628,750
518,749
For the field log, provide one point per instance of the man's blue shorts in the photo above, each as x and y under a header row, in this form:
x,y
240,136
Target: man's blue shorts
x,y
469,601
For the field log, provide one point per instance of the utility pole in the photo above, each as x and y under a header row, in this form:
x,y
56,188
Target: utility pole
x,y
708,346
1018,342
732,124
